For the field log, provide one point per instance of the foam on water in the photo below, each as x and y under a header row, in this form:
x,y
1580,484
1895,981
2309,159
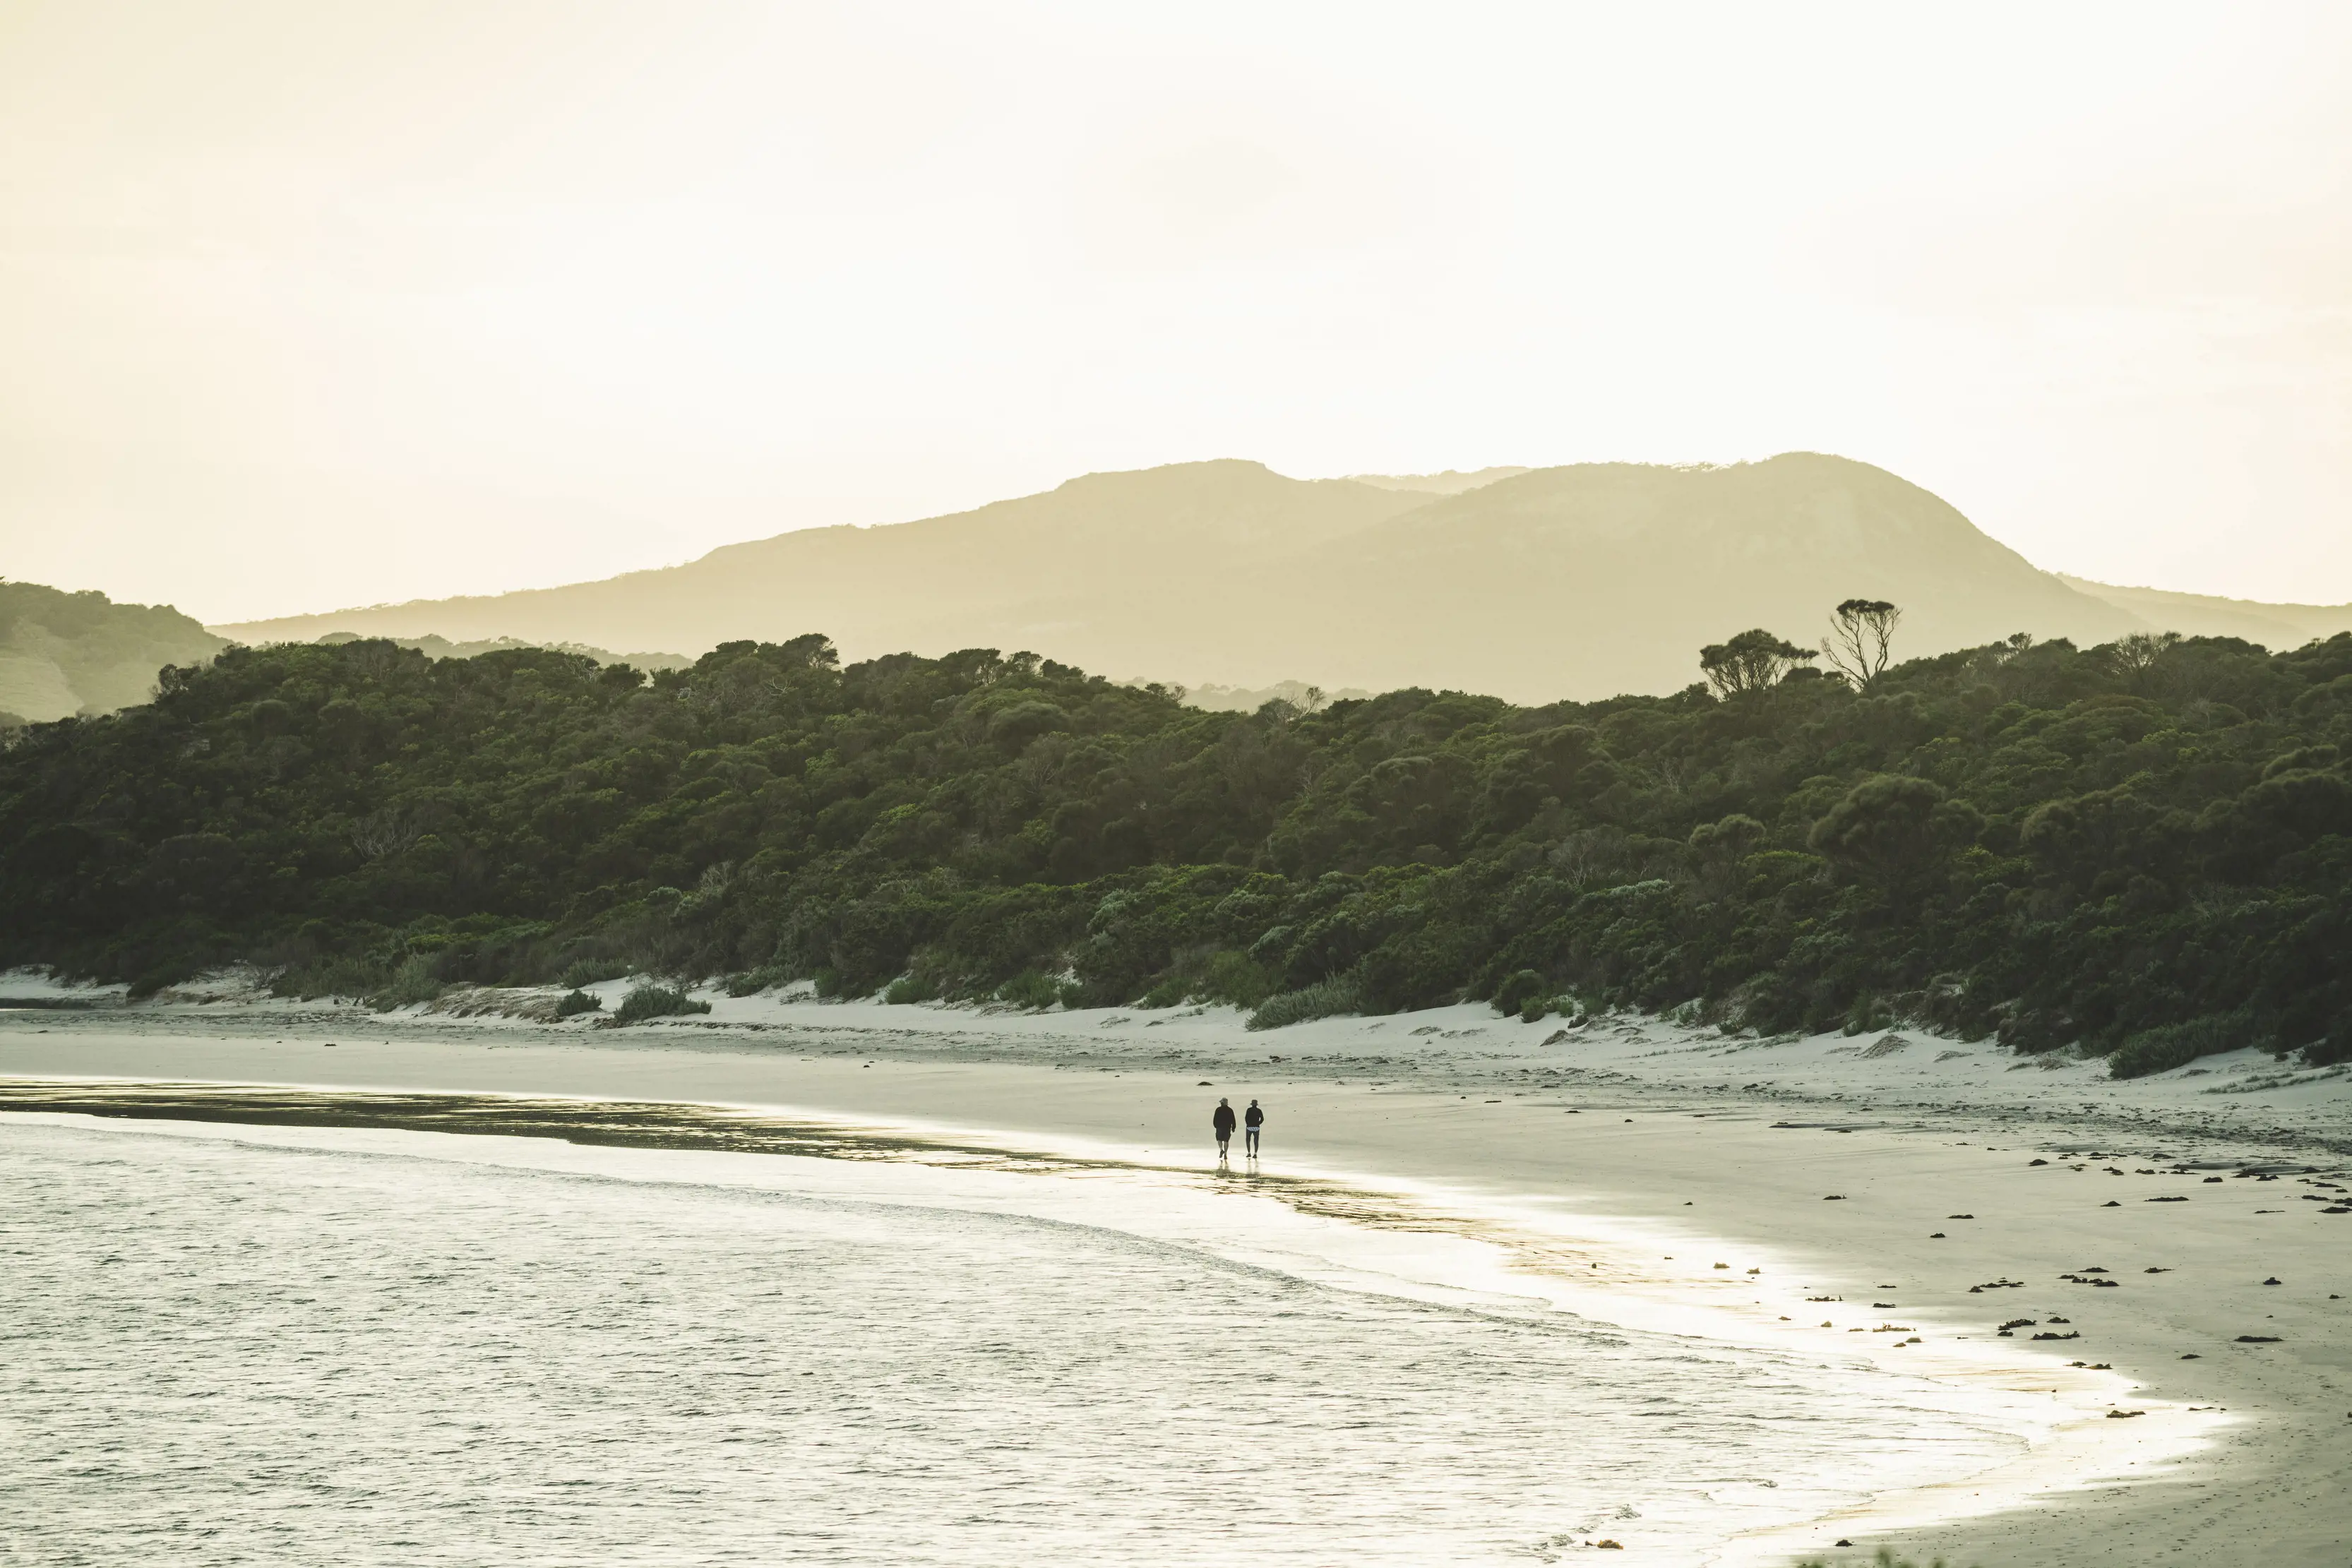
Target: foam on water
x,y
365,1346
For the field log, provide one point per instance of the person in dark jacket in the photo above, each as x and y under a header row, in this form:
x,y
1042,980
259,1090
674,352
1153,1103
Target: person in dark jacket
x,y
1251,1120
1222,1120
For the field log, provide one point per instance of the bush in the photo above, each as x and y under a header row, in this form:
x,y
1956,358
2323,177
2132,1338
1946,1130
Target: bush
x,y
1520,990
412,983
1030,990
1236,978
1325,998
752,982
2178,1044
593,971
579,1002
1167,993
657,1001
342,975
157,978
1885,826
909,989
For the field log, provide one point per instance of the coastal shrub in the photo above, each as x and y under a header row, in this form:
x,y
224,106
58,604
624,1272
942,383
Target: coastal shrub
x,y
826,982
1030,990
593,971
657,1001
158,979
752,982
1519,989
2168,1046
1870,1014
1325,998
1170,992
1234,978
335,975
579,1002
1213,974
909,989
412,983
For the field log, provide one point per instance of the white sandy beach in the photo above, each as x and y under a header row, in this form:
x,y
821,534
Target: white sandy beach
x,y
1888,1177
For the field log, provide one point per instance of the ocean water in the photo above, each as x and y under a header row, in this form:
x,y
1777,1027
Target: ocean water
x,y
367,1345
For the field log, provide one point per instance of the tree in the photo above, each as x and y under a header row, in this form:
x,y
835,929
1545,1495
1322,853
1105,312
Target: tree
x,y
1889,826
385,830
1862,633
2134,655
1751,662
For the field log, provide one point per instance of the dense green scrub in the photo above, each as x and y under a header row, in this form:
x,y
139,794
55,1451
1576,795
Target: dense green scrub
x,y
2144,847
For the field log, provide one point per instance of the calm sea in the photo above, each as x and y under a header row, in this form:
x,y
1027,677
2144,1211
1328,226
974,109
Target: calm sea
x,y
360,1346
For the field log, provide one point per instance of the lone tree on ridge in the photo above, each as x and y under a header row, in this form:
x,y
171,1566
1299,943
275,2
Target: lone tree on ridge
x,y
1862,630
1751,662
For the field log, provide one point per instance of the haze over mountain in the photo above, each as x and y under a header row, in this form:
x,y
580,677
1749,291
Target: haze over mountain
x,y
63,654
1579,581
2274,626
1452,482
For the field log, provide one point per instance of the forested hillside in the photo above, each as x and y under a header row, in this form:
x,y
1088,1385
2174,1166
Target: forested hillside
x,y
64,654
2144,846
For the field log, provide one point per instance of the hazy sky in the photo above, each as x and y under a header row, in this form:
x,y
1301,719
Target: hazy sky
x,y
312,304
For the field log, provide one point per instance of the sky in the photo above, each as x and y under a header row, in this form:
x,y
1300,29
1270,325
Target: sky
x,y
320,303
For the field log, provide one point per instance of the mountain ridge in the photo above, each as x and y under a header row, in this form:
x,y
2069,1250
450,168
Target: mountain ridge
x,y
1582,579
2274,626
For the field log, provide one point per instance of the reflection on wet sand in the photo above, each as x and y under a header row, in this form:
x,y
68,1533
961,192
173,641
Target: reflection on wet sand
x,y
662,1125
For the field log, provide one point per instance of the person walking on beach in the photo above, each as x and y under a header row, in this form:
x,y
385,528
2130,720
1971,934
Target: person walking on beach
x,y
1222,1120
1251,1120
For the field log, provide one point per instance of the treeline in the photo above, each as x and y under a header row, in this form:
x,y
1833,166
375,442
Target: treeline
x,y
2144,847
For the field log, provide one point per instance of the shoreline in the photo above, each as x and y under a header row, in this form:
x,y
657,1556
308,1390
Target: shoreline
x,y
1384,1242
1652,1159
1536,1257
2236,1099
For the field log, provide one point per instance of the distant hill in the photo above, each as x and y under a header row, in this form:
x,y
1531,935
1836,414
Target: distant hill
x,y
1453,482
2274,626
442,648
1141,572
1577,582
1246,699
63,654
1602,577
